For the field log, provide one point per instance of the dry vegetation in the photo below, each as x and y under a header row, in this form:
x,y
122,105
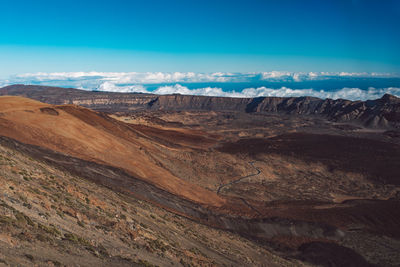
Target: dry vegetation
x,y
49,217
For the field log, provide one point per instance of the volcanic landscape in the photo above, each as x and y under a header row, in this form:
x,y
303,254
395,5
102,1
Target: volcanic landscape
x,y
130,179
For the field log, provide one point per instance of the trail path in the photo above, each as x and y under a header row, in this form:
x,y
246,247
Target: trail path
x,y
239,180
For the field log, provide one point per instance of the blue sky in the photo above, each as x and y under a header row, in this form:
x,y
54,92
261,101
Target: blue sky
x,y
199,35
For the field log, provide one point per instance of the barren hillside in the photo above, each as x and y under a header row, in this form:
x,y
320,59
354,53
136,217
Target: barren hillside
x,y
305,188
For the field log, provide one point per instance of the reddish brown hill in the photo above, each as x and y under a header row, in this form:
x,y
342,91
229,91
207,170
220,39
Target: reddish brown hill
x,y
89,135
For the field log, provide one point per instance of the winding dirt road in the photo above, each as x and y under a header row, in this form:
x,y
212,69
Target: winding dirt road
x,y
240,179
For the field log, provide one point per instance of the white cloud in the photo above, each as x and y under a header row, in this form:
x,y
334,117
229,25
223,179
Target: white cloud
x,y
170,83
345,93
207,91
179,77
111,87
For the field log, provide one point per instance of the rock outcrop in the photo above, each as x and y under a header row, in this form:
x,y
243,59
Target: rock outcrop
x,y
379,113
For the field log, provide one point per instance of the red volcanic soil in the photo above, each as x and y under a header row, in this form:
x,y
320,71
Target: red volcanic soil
x,y
183,137
92,136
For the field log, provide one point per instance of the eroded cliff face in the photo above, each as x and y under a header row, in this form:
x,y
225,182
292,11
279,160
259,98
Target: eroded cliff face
x,y
379,113
383,112
96,100
190,102
108,102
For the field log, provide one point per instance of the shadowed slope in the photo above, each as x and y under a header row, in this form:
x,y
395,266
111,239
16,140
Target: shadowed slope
x,y
376,159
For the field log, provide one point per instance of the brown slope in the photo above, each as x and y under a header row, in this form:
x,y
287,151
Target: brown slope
x,y
88,135
375,159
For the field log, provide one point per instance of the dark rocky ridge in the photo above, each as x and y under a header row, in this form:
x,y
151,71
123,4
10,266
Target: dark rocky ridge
x,y
379,113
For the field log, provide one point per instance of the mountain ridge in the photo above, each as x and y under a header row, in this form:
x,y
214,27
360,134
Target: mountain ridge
x,y
379,113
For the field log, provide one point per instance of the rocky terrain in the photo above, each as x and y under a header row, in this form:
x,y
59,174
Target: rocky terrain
x,y
197,181
51,217
380,113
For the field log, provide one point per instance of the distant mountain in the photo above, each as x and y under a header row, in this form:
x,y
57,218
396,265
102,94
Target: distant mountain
x,y
379,113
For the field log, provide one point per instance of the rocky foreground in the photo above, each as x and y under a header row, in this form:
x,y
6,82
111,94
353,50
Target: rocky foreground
x,y
187,181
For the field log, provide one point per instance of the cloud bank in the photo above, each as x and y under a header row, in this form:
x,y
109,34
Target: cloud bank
x,y
171,83
344,93
180,77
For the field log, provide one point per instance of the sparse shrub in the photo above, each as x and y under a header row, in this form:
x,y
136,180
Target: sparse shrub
x,y
35,190
29,256
56,196
27,205
185,264
109,214
146,263
44,215
25,236
43,238
5,220
158,245
165,217
102,250
56,263
22,218
60,213
196,251
49,229
46,187
76,239
81,224
101,227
